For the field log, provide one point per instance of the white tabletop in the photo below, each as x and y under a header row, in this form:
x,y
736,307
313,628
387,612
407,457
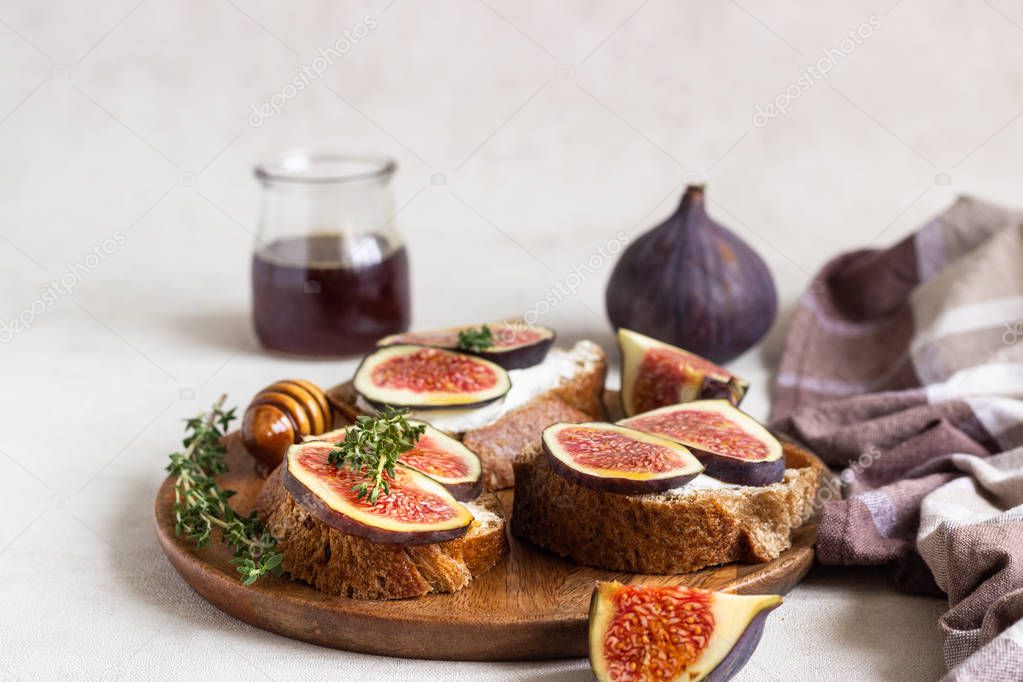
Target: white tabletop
x,y
528,134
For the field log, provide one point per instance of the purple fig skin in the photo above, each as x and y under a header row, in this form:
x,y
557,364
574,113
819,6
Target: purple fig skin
x,y
520,357
740,471
741,651
694,284
464,491
312,503
622,486
732,390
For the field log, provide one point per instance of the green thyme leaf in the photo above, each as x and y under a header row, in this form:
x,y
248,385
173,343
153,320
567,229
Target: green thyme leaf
x,y
372,447
475,339
200,506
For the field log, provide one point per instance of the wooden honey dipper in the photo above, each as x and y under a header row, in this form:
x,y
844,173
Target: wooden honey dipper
x,y
280,415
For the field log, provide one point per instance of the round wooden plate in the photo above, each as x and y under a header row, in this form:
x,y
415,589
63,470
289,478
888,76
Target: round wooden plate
x,y
533,605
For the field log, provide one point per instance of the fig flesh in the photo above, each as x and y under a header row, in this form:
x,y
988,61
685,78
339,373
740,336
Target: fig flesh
x,y
416,510
516,345
439,456
656,374
733,446
644,633
694,284
424,377
616,459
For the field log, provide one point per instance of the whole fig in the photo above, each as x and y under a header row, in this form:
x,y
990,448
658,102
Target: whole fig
x,y
693,283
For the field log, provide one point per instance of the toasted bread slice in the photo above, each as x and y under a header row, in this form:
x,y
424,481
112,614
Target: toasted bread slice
x,y
576,394
351,566
499,443
677,531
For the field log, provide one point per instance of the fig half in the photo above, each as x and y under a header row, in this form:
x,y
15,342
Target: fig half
x,y
516,344
417,510
616,459
733,446
643,633
424,377
655,374
439,456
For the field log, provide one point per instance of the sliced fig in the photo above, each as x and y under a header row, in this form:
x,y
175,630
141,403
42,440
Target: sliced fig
x,y
434,338
516,344
424,377
644,633
617,459
439,456
416,510
655,374
732,446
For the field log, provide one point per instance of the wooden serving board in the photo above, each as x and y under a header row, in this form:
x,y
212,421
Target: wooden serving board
x,y
533,605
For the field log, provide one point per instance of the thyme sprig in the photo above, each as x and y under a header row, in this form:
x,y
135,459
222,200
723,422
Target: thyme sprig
x,y
475,339
200,506
372,447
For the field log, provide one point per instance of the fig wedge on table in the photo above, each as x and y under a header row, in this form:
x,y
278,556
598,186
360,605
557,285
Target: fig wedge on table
x,y
439,456
423,377
644,633
732,446
656,374
616,459
416,509
516,345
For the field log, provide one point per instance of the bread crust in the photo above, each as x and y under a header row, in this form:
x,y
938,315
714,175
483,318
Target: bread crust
x,y
351,566
584,391
665,533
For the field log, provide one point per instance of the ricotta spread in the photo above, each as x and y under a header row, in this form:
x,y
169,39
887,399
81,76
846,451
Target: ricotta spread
x,y
484,516
704,482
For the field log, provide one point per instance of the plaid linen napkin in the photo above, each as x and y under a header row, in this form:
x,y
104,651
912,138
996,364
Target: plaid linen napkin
x,y
904,367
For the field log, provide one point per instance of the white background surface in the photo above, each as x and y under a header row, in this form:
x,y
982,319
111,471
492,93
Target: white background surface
x,y
133,118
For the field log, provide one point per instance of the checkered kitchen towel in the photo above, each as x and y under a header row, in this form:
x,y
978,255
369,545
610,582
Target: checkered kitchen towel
x,y
904,366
